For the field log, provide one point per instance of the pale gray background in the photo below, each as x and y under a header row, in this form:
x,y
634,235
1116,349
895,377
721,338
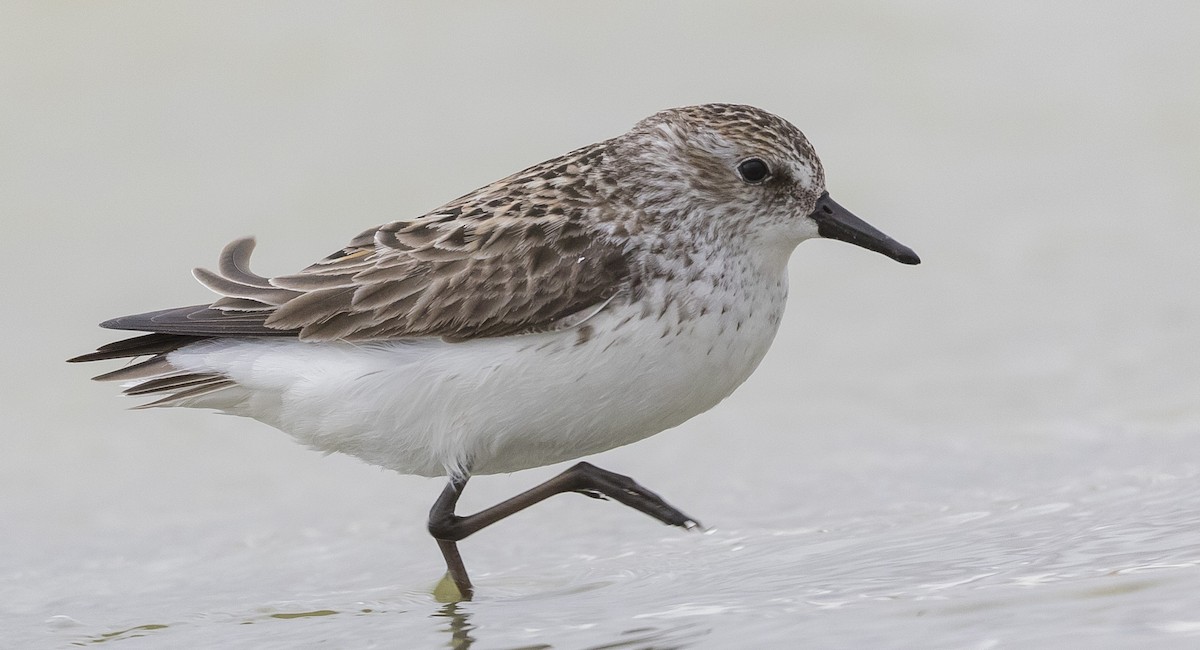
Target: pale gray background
x,y
998,448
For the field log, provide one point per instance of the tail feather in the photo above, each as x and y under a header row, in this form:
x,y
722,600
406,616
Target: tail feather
x,y
219,383
172,383
138,346
155,366
156,375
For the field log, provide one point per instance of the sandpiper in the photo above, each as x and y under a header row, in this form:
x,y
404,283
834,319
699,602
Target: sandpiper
x,y
582,304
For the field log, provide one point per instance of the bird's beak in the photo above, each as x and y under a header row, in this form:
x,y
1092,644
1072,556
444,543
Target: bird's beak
x,y
836,222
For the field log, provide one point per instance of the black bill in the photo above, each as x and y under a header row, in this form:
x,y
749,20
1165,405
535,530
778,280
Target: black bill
x,y
836,222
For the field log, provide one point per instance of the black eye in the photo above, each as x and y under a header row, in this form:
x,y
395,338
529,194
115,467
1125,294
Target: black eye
x,y
753,170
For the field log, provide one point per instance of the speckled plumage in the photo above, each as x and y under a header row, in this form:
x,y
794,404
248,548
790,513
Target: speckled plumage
x,y
583,303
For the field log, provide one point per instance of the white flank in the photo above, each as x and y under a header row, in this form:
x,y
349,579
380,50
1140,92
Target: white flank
x,y
429,407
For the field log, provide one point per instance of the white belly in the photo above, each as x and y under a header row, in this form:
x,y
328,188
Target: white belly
x,y
428,407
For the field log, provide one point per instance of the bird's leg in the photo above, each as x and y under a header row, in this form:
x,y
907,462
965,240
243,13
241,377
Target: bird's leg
x,y
448,528
443,511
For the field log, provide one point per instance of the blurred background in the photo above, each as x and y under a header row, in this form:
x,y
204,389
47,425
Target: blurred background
x,y
999,446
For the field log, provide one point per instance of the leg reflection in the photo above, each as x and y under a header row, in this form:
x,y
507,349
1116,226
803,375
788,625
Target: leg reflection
x,y
459,626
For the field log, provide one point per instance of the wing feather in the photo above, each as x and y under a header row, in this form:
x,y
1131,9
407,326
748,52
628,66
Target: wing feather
x,y
234,264
514,257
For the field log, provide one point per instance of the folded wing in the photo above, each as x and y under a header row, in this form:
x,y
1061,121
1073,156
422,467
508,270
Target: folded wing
x,y
447,274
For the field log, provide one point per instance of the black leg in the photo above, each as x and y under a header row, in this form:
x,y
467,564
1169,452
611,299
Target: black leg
x,y
448,528
443,510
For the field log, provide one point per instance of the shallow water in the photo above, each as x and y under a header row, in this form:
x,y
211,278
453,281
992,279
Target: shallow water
x,y
998,448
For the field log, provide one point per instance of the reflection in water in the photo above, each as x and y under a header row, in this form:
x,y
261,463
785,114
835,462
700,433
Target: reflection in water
x,y
288,615
459,626
130,633
675,637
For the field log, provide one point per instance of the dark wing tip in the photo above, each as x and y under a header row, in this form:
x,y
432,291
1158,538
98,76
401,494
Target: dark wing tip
x,y
198,320
170,328
115,323
163,320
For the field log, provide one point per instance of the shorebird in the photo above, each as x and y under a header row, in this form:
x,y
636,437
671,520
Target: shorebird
x,y
582,304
